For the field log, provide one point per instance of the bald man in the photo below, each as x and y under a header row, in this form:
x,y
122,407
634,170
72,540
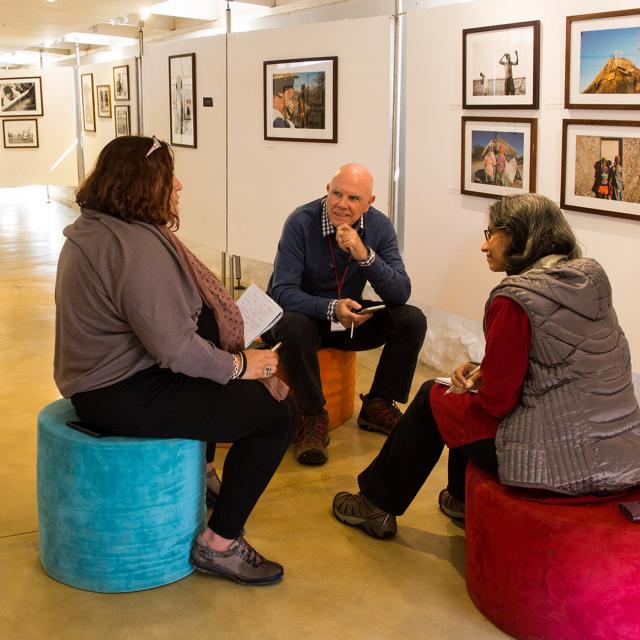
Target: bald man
x,y
330,248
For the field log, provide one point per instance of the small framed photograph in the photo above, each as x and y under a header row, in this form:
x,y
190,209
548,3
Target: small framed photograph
x,y
498,156
121,82
601,167
301,99
501,66
88,105
103,95
20,97
20,134
182,92
602,61
122,120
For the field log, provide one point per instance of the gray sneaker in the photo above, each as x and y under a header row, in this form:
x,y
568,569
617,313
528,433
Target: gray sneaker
x,y
451,506
240,563
354,509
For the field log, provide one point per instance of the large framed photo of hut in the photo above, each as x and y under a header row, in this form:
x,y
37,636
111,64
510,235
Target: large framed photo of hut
x,y
301,99
182,98
602,61
498,156
501,66
601,167
20,134
20,97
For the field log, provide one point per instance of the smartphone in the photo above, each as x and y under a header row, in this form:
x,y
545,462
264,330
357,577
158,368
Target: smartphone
x,y
367,310
81,426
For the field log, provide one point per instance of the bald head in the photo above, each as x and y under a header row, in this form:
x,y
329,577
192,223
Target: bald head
x,y
349,194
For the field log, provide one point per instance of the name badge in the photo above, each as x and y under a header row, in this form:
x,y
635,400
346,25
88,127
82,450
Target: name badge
x,y
336,326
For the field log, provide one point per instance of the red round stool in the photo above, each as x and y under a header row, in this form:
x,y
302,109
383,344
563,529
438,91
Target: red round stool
x,y
551,567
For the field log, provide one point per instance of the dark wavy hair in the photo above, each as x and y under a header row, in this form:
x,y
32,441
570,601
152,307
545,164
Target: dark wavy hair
x,y
129,184
537,227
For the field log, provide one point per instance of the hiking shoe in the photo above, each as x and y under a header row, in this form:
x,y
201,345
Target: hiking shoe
x,y
354,509
451,506
378,415
312,439
213,488
240,563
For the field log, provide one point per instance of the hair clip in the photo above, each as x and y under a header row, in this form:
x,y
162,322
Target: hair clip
x,y
156,144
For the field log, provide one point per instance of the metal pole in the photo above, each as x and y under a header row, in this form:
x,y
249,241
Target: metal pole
x,y
139,99
226,111
42,67
394,117
78,98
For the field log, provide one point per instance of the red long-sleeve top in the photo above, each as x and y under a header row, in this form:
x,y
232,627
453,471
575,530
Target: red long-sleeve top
x,y
466,417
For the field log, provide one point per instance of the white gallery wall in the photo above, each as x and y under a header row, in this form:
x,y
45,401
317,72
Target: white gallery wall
x,y
54,161
201,170
269,178
443,228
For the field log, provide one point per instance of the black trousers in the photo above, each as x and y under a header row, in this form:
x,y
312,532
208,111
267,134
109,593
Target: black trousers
x,y
409,454
158,403
400,329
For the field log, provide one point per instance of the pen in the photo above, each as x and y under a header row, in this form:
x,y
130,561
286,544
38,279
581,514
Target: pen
x,y
452,387
276,346
352,328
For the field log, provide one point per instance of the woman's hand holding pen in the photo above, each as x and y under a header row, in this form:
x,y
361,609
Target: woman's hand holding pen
x,y
465,377
261,363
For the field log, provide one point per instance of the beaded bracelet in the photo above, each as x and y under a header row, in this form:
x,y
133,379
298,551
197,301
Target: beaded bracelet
x,y
239,372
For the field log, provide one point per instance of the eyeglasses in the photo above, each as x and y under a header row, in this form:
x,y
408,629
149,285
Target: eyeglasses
x,y
156,144
489,232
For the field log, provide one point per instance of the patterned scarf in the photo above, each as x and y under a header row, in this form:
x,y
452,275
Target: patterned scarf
x,y
225,310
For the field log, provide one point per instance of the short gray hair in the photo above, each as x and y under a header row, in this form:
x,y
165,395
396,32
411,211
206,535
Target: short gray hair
x,y
537,228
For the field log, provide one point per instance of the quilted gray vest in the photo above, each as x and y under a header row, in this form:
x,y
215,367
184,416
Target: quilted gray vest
x,y
577,427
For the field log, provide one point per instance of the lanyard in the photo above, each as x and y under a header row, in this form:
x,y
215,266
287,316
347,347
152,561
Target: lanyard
x,y
335,269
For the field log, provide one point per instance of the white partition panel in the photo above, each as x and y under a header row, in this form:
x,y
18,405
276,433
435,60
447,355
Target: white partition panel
x,y
443,227
54,161
268,179
201,170
105,131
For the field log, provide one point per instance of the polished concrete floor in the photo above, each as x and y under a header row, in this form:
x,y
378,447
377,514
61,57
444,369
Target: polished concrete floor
x,y
339,583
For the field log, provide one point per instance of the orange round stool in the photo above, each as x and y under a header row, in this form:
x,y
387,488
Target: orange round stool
x,y
338,377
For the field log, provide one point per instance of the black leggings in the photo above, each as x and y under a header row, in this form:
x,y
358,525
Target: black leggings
x,y
158,403
409,454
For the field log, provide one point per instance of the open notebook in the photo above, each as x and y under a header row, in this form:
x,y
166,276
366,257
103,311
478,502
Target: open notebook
x,y
259,312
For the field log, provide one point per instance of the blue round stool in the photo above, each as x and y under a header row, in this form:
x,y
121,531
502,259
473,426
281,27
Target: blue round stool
x,y
116,514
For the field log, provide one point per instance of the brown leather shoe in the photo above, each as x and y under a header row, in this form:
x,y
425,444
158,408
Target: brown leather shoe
x,y
378,415
312,438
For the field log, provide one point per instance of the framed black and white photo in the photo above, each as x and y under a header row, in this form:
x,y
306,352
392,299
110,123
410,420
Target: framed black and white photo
x,y
88,105
20,97
121,82
103,96
182,100
601,167
498,156
501,66
122,120
301,99
20,134
602,61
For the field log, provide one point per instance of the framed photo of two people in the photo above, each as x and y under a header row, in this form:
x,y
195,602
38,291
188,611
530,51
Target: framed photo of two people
x,y
501,66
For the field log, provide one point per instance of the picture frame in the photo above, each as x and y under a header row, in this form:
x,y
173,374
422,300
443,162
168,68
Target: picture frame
x,y
121,82
589,186
498,156
182,100
488,76
20,134
103,98
602,61
300,99
122,120
21,97
88,104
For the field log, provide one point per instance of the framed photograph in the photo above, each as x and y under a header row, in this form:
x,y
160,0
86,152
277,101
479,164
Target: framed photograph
x,y
103,95
602,61
182,100
601,167
301,99
88,105
20,134
498,156
121,82
122,120
20,97
501,66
